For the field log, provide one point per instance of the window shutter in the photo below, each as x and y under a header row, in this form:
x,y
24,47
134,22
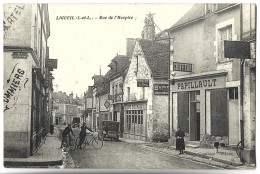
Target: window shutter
x,y
218,108
183,110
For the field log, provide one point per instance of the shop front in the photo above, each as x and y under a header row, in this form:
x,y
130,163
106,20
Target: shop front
x,y
206,107
135,120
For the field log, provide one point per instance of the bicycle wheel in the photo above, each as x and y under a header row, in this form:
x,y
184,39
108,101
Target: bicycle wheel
x,y
97,144
72,144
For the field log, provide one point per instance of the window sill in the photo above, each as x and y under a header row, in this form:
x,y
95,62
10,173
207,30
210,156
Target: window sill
x,y
226,61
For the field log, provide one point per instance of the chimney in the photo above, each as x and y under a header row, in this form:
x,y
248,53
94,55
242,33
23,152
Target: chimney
x,y
130,45
149,27
71,97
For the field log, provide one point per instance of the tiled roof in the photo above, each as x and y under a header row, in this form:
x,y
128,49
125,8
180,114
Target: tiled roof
x,y
122,62
157,58
196,12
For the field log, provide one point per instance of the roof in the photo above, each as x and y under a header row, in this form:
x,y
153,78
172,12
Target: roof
x,y
121,62
197,12
223,6
61,96
157,59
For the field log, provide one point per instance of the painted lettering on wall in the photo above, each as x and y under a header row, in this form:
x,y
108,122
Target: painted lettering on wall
x,y
14,84
13,16
197,84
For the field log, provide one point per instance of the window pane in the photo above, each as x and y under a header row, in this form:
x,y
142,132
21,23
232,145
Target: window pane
x,y
197,107
231,93
236,93
192,96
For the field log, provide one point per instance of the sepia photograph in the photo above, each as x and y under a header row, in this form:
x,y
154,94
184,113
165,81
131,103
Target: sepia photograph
x,y
168,86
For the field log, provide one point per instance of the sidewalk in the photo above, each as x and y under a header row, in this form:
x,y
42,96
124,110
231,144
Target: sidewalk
x,y
49,154
225,158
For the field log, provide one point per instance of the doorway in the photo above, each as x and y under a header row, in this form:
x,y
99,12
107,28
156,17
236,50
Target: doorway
x,y
195,116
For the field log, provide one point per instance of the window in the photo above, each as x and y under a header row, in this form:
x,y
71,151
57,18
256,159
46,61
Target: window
x,y
249,20
134,120
223,34
233,93
116,89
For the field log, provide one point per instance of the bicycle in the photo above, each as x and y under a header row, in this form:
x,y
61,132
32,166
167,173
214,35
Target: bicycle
x,y
66,144
93,141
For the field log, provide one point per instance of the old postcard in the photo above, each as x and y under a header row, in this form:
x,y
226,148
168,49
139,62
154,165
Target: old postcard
x,y
129,86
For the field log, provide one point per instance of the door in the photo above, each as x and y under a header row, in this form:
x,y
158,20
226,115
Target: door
x,y
233,113
195,115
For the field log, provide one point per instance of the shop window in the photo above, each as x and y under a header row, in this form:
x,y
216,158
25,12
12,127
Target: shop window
x,y
233,93
223,34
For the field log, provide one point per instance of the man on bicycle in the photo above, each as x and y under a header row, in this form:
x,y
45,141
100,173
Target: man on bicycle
x,y
83,134
66,133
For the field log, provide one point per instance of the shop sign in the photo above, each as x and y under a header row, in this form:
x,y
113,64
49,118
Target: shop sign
x,y
161,89
20,55
184,67
197,84
237,49
51,63
142,82
134,107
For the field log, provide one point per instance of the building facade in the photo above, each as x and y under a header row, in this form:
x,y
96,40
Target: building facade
x,y
145,107
205,96
66,108
27,78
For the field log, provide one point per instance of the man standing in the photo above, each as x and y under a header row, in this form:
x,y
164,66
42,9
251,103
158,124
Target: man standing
x,y
83,134
66,133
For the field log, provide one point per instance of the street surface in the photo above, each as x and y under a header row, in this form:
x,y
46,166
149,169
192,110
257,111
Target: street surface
x,y
123,155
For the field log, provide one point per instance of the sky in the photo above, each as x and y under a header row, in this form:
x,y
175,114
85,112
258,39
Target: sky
x,y
82,46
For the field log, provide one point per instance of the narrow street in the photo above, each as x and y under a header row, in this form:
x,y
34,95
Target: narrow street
x,y
122,155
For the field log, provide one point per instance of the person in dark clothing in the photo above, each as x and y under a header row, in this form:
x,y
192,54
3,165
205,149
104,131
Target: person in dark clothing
x,y
83,134
66,133
180,145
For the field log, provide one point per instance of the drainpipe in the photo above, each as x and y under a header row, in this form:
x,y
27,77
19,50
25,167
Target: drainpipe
x,y
169,92
242,61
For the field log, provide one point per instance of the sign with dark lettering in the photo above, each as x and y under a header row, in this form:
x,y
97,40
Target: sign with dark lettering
x,y
161,89
212,82
13,85
237,49
185,67
142,82
20,55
